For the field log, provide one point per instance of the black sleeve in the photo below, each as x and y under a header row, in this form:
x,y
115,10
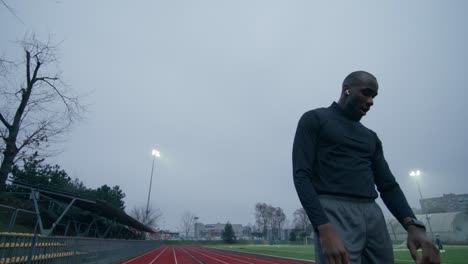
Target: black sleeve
x,y
303,157
389,189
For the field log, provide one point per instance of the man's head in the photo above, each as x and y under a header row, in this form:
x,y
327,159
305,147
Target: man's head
x,y
358,91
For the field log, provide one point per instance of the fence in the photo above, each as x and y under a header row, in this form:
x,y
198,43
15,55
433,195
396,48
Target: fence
x,y
30,248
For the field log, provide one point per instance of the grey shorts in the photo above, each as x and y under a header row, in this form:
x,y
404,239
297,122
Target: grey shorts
x,y
361,225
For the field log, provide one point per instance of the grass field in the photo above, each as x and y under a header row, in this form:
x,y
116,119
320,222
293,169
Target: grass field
x,y
452,255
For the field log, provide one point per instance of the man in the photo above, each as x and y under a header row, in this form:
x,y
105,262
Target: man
x,y
439,244
337,163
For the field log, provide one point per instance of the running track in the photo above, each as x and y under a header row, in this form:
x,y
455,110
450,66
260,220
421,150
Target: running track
x,y
203,255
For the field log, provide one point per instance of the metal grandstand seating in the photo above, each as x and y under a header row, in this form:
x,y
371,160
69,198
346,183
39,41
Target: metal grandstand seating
x,y
30,248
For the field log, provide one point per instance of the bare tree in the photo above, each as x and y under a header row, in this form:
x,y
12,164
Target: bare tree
x,y
271,218
150,217
262,217
278,221
36,111
301,221
270,214
187,223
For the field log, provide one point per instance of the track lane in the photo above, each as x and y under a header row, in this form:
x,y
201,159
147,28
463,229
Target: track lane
x,y
222,257
261,258
143,257
205,255
183,257
164,257
228,254
205,258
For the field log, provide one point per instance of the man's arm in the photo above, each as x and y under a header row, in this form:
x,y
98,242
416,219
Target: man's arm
x,y
304,154
389,189
303,158
396,202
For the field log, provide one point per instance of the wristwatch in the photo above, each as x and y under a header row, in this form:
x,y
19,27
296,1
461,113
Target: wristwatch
x,y
414,222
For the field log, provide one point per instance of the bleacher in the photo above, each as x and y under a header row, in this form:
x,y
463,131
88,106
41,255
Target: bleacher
x,y
21,247
52,242
27,248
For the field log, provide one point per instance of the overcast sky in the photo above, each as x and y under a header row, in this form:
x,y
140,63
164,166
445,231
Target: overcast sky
x,y
218,86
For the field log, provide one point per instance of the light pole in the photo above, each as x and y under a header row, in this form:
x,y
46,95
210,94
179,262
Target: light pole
x,y
156,154
416,174
196,233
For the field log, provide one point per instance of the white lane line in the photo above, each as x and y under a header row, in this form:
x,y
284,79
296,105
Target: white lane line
x,y
210,257
245,257
175,258
236,259
194,258
130,260
157,256
265,255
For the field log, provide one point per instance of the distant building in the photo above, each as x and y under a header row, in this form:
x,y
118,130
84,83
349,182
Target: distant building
x,y
447,203
215,231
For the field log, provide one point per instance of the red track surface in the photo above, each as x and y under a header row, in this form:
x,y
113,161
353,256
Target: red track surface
x,y
203,255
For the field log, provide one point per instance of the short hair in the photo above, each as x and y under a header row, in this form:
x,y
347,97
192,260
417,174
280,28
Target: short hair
x,y
359,77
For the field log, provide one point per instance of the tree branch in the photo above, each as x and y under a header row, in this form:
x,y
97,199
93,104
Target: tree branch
x,y
28,67
26,93
63,97
3,65
4,121
28,140
58,92
3,134
38,65
46,78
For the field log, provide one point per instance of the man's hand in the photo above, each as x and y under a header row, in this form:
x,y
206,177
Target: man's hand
x,y
417,239
333,249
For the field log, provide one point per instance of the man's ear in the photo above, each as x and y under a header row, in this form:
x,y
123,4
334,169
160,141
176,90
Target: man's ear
x,y
345,88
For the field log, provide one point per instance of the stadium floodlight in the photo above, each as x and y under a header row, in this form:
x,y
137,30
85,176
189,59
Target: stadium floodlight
x,y
416,174
156,154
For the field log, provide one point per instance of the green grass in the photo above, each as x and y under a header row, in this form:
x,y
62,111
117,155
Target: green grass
x,y
452,255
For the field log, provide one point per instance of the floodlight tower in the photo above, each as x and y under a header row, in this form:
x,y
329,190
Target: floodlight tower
x,y
416,175
156,154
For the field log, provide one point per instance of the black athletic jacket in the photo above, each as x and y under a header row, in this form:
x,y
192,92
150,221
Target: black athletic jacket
x,y
336,155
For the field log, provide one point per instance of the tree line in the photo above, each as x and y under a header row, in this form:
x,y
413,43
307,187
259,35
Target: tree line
x,y
36,172
270,222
